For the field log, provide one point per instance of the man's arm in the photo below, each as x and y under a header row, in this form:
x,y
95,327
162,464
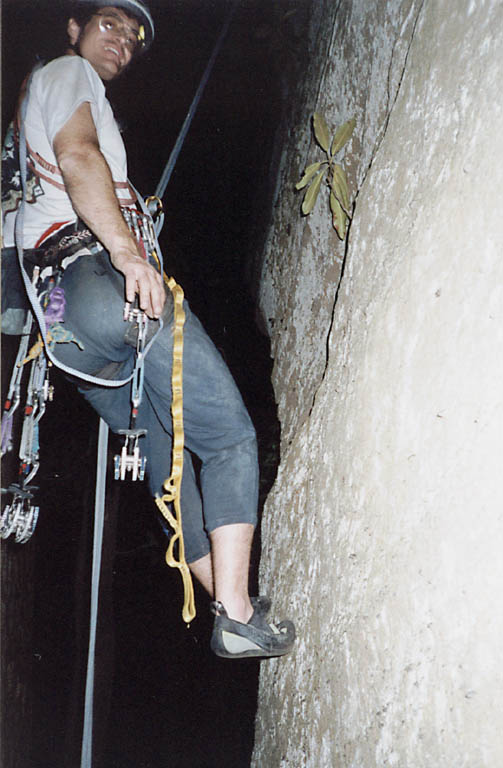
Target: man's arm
x,y
89,184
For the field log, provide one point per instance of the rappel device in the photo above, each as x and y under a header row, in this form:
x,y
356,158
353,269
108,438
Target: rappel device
x,y
130,460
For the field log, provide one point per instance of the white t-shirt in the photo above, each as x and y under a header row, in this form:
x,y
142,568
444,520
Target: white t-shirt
x,y
56,91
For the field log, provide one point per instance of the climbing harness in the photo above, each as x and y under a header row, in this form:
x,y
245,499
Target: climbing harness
x,y
39,358
19,518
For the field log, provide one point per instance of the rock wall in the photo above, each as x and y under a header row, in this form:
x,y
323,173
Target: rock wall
x,y
383,534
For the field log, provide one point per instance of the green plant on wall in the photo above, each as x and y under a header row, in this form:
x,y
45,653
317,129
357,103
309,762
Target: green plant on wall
x,y
330,171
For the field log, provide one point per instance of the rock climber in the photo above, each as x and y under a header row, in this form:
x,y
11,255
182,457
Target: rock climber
x,y
77,185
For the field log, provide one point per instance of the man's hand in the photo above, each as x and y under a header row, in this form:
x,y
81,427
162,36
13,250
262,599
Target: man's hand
x,y
141,278
89,184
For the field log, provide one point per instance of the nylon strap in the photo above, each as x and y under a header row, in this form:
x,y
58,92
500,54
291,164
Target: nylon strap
x,y
173,484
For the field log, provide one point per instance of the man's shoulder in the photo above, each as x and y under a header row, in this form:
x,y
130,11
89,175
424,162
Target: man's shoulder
x,y
70,68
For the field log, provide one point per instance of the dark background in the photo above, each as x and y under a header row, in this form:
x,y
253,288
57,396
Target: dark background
x,y
162,698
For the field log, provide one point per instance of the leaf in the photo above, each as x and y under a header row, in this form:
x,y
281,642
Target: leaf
x,y
312,193
340,185
321,132
308,175
339,218
342,135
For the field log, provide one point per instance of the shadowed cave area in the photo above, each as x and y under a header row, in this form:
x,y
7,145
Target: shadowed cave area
x,y
161,697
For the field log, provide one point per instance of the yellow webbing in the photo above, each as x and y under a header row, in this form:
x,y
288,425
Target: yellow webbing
x,y
172,485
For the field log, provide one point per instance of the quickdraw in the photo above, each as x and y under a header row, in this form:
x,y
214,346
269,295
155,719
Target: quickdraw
x,y
130,460
20,516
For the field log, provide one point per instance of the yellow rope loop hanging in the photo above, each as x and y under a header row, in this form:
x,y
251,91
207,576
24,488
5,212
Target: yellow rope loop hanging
x,y
172,485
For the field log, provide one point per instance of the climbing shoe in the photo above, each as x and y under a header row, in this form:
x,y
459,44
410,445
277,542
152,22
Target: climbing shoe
x,y
235,640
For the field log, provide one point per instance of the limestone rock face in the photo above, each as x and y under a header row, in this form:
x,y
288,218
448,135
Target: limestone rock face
x,y
383,534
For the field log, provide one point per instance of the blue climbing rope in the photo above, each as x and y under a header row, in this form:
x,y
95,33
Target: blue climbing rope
x,y
168,170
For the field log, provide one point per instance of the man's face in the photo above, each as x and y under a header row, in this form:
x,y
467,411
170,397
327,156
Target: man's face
x,y
108,41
